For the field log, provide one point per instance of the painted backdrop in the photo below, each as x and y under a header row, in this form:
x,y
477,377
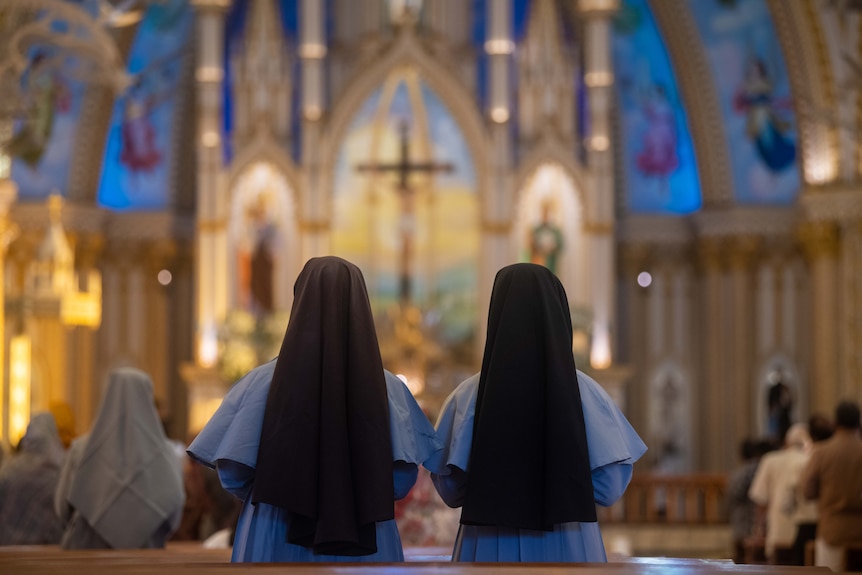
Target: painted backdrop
x,y
660,167
754,91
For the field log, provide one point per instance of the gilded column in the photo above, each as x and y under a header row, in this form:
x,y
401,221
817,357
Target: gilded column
x,y
211,272
8,231
636,258
88,252
315,205
820,244
599,79
158,256
497,209
714,448
741,259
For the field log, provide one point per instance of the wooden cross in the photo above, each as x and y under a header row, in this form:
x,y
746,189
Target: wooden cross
x,y
403,168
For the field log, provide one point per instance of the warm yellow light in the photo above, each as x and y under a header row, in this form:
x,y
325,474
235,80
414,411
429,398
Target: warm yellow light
x,y
600,353
600,143
598,79
312,113
201,412
821,169
210,139
209,74
208,347
499,47
500,114
312,51
19,387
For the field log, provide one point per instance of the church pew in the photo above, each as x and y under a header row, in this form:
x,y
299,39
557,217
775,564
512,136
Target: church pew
x,y
192,560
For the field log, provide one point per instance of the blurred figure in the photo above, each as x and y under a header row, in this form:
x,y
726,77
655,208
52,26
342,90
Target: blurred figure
x,y
774,486
27,484
834,478
121,486
740,508
65,420
820,429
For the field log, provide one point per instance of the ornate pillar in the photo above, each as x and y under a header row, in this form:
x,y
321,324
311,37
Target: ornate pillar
x,y
599,216
820,244
315,205
211,265
713,444
158,256
8,231
88,252
497,199
741,258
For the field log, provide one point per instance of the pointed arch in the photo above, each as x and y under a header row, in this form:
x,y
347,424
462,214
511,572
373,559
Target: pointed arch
x,y
406,51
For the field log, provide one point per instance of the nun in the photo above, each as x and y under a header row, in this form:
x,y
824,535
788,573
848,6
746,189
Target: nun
x,y
319,442
121,486
27,485
531,445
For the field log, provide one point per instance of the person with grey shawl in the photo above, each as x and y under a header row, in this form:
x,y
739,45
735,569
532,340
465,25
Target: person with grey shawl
x,y
27,484
121,486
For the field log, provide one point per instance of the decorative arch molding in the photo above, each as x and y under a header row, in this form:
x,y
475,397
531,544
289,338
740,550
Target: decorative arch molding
x,y
264,148
810,69
700,96
551,151
406,50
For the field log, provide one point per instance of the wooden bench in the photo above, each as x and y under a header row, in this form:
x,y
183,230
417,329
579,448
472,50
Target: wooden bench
x,y
190,559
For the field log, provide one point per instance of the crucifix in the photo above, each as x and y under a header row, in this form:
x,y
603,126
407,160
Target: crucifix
x,y
403,167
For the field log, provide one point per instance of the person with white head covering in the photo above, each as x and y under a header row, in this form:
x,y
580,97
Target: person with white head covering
x,y
121,486
27,485
775,486
531,444
321,441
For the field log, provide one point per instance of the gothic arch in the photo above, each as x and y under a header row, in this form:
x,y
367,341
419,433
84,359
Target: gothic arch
x,y
552,152
406,51
798,27
700,96
263,149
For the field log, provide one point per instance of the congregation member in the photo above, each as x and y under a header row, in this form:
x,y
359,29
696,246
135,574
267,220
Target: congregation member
x,y
774,487
819,429
121,486
833,477
27,484
319,442
531,445
741,510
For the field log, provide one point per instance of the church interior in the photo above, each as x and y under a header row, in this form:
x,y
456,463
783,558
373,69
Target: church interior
x,y
690,170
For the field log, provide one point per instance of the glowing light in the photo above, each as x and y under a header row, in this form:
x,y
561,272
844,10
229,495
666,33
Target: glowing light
x,y
19,386
598,79
500,114
600,354
208,347
600,143
312,113
821,169
416,385
165,277
499,47
402,377
644,279
312,51
209,74
210,139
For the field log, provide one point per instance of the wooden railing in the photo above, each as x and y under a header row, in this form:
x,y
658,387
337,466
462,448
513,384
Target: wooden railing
x,y
670,499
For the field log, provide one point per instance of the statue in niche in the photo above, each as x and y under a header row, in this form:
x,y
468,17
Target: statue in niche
x,y
256,256
670,451
779,404
546,239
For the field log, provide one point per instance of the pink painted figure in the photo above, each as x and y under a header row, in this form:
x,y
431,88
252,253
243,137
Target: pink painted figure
x,y
658,156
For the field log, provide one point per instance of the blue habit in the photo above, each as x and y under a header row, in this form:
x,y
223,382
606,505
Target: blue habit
x,y
613,447
229,443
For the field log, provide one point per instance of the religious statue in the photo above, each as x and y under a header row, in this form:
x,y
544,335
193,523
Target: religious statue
x,y
779,404
546,240
255,258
